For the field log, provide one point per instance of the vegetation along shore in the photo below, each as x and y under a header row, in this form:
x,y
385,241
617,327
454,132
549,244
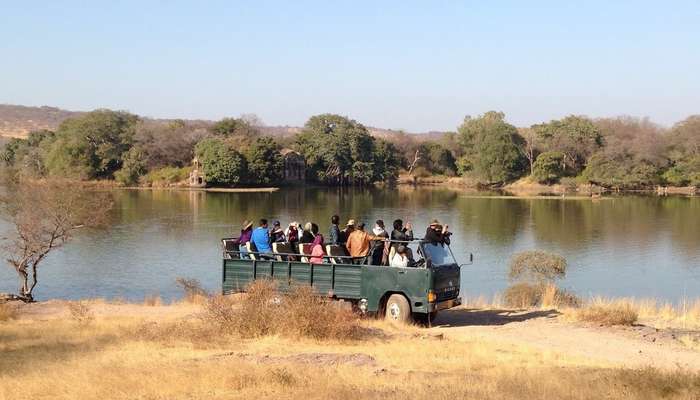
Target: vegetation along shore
x,y
568,154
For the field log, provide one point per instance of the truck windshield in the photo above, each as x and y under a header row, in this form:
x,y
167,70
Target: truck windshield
x,y
438,254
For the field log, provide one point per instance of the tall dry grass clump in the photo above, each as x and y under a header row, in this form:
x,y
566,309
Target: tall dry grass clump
x,y
265,311
8,311
608,313
194,292
80,312
533,275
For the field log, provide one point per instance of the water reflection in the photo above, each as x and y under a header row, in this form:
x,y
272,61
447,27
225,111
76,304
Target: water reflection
x,y
634,245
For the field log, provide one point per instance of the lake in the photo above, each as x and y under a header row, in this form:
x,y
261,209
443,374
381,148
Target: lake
x,y
641,246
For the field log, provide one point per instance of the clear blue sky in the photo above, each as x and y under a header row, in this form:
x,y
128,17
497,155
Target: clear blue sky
x,y
414,65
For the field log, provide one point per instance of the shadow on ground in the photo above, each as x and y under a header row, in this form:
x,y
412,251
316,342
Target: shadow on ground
x,y
478,317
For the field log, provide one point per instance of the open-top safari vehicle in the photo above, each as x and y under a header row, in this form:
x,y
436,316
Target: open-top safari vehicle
x,y
429,284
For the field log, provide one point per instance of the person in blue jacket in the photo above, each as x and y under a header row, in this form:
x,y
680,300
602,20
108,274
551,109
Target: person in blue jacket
x,y
261,237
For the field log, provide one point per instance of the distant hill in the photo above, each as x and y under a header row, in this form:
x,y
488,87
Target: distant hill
x,y
18,121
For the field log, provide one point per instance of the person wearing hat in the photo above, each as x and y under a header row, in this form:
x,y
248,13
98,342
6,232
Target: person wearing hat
x,y
246,232
277,234
437,234
345,233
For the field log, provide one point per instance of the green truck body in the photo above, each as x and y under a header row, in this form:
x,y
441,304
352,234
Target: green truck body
x,y
426,289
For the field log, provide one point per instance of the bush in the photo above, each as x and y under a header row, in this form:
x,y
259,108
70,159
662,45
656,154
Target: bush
x,y
166,176
265,311
537,266
608,314
221,163
548,167
528,295
80,312
194,292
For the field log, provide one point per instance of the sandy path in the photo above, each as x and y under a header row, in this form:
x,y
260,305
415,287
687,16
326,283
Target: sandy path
x,y
629,347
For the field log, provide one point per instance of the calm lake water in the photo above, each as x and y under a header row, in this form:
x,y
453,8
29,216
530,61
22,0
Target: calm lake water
x,y
622,246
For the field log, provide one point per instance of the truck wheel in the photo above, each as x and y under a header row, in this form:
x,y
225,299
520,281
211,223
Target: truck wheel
x,y
398,309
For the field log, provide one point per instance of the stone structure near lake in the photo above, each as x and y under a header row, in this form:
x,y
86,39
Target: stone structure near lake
x,y
294,166
196,179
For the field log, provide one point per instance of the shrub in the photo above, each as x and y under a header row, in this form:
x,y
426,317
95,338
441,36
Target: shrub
x,y
548,167
166,176
608,314
194,292
537,266
265,311
523,295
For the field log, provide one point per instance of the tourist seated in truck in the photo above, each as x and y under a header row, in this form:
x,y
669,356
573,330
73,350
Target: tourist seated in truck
x,y
400,258
359,243
334,231
277,233
261,237
380,249
318,237
437,234
401,233
246,232
306,235
317,251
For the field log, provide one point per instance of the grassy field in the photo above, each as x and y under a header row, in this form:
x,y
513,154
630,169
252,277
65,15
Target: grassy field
x,y
92,350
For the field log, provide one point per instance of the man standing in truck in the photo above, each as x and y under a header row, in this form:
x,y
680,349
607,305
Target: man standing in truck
x,y
359,243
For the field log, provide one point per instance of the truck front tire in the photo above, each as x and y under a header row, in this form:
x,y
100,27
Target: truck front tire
x,y
397,309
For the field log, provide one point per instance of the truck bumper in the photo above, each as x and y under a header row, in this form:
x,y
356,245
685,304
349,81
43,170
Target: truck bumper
x,y
444,305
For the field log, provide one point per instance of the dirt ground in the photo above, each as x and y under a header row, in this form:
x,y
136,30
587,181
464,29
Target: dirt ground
x,y
541,330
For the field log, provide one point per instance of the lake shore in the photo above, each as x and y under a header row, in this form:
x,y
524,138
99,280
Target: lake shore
x,y
137,350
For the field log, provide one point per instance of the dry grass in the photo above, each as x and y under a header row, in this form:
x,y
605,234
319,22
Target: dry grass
x,y
527,295
50,359
537,266
80,312
152,300
607,313
8,311
264,311
194,292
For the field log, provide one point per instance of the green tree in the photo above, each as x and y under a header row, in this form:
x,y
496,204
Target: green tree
x,y
133,166
684,153
221,163
387,161
491,148
338,150
548,167
265,162
574,136
91,146
620,170
229,127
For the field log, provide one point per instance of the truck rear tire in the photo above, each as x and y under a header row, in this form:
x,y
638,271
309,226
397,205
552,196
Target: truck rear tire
x,y
397,309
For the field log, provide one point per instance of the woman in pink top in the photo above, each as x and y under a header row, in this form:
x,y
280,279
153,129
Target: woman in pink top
x,y
317,252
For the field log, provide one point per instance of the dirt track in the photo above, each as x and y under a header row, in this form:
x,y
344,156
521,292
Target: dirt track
x,y
637,346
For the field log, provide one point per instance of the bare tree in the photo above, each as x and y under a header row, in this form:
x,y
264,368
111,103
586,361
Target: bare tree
x,y
45,216
530,145
416,159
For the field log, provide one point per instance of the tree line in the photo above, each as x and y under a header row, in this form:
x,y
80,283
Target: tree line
x,y
622,152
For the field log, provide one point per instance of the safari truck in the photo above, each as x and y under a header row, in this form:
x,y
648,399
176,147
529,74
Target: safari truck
x,y
428,284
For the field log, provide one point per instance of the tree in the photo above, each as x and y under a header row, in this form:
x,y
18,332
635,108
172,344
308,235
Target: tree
x,y
620,170
265,162
91,146
491,148
530,146
684,153
333,146
574,136
548,167
221,163
229,127
168,144
387,162
133,166
45,216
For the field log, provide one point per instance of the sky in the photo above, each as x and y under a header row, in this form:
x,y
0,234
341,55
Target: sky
x,y
412,65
